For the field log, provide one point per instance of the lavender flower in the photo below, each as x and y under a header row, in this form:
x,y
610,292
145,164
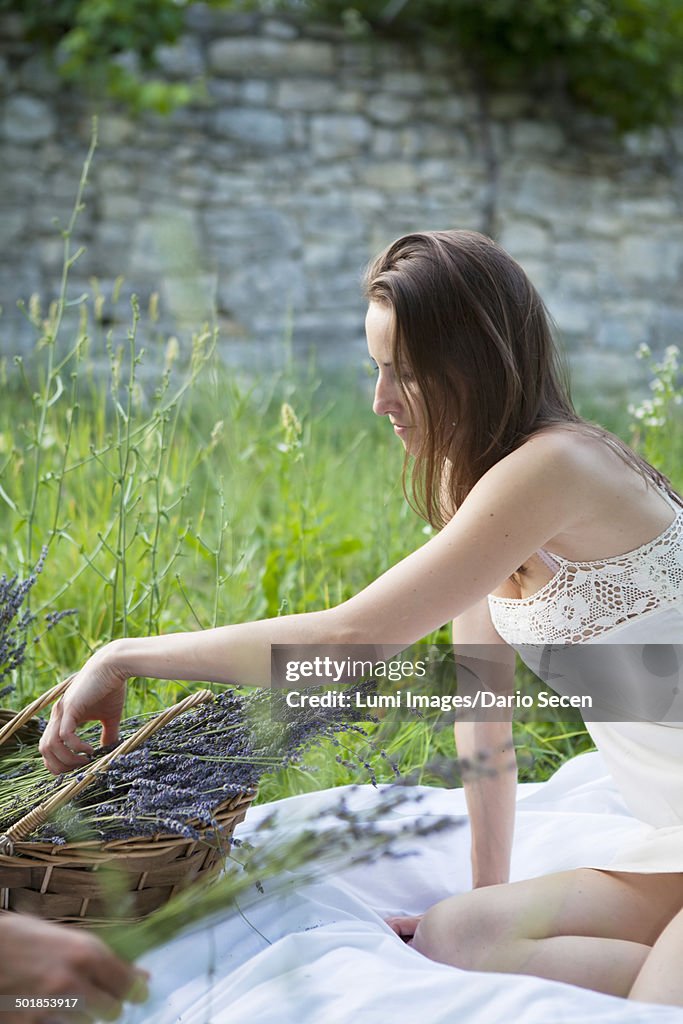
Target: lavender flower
x,y
14,624
177,781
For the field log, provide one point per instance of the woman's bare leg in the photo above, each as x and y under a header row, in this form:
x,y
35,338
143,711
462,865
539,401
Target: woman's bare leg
x,y
660,979
587,927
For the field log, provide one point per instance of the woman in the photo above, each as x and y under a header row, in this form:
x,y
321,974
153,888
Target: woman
x,y
503,468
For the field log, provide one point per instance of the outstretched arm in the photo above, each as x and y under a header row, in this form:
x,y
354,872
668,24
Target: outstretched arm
x,y
525,499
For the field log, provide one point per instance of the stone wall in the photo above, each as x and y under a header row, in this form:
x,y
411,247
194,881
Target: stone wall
x,y
310,152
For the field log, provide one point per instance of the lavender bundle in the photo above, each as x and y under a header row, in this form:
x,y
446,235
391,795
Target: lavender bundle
x,y
178,778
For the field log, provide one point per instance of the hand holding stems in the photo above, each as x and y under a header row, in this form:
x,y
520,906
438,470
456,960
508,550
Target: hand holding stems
x,y
42,959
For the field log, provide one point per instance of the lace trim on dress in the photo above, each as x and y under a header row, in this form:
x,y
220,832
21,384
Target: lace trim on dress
x,y
584,600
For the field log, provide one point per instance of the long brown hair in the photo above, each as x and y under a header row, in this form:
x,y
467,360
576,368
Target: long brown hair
x,y
474,333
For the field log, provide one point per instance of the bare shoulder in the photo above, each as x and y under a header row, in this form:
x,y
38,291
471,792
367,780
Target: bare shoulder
x,y
613,509
557,454
595,467
563,442
577,458
557,468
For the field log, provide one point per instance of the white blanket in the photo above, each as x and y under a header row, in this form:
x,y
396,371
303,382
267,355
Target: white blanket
x,y
322,952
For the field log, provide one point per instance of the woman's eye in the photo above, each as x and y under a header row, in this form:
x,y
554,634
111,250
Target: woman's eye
x,y
370,367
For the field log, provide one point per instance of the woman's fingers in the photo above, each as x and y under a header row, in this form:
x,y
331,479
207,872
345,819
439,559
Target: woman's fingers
x,y
98,1004
62,763
57,752
405,927
96,693
104,980
112,982
139,993
110,732
68,735
118,978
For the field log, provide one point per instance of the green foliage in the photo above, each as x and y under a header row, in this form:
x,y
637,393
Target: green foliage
x,y
89,37
657,421
622,59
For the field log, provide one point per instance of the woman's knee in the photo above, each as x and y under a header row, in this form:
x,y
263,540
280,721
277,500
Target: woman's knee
x,y
433,934
460,930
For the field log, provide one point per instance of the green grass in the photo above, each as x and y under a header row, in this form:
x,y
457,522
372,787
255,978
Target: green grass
x,y
174,495
182,500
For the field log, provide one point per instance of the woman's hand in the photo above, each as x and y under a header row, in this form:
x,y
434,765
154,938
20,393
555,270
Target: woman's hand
x,y
39,959
96,693
405,927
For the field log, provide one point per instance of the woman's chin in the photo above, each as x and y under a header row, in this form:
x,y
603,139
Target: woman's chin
x,y
407,437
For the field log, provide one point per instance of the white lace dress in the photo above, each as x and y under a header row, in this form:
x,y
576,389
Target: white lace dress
x,y
633,603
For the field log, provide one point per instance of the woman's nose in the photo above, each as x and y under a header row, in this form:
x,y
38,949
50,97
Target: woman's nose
x,y
385,397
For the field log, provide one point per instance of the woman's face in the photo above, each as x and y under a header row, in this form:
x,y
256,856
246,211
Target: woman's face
x,y
390,399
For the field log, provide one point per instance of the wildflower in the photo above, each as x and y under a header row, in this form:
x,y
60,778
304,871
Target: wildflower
x,y
291,424
216,433
52,618
34,308
291,428
14,624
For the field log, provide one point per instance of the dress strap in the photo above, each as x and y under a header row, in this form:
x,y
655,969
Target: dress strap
x,y
550,560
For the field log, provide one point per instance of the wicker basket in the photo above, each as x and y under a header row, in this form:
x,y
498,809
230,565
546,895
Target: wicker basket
x,y
75,882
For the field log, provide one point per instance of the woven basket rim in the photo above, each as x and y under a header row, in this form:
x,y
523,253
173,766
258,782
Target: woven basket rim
x,y
67,881
122,846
